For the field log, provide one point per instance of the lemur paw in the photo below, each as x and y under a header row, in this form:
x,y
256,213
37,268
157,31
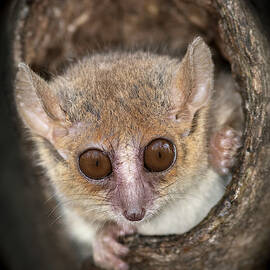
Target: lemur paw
x,y
223,148
107,250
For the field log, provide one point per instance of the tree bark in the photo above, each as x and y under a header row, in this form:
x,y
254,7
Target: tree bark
x,y
236,233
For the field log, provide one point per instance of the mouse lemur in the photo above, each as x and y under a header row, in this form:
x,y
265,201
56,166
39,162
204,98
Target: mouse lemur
x,y
134,142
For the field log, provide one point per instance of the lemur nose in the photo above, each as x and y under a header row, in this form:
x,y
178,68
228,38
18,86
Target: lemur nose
x,y
134,214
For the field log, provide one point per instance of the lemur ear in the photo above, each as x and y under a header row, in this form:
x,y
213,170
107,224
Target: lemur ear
x,y
193,84
37,104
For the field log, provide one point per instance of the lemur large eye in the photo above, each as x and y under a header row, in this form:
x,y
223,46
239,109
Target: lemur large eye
x,y
95,164
159,155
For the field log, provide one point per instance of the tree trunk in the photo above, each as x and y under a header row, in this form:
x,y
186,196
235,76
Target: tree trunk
x,y
236,233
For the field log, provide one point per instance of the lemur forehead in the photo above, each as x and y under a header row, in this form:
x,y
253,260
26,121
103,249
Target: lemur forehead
x,y
118,85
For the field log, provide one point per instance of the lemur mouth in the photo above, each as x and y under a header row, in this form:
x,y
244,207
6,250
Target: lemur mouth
x,y
134,214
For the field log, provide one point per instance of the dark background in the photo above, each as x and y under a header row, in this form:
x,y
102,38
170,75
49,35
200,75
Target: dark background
x,y
19,245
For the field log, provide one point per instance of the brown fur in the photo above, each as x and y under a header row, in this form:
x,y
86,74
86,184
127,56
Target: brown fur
x,y
108,100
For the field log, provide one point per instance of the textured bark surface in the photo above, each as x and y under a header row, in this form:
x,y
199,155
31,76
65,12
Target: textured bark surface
x,y
236,234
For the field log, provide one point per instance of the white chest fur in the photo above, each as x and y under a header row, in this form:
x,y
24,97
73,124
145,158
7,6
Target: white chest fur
x,y
183,214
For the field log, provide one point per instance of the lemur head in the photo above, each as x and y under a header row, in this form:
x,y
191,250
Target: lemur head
x,y
118,133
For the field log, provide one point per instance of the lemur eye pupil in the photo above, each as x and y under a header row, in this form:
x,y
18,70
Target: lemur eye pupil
x,y
159,155
95,164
